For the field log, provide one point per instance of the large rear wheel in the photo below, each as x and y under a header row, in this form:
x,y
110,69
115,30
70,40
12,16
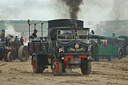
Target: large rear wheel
x,y
37,67
85,66
23,53
56,67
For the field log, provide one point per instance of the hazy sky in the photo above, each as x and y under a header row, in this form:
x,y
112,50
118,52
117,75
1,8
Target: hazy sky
x,y
91,10
24,9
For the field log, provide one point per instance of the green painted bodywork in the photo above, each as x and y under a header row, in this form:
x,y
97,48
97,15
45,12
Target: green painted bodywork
x,y
104,50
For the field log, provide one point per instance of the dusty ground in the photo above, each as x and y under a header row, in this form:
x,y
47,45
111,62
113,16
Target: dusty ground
x,y
114,72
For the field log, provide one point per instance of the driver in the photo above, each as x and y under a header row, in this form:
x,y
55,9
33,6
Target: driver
x,y
34,34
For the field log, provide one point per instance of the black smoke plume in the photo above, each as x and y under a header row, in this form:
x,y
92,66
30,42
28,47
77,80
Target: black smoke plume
x,y
74,7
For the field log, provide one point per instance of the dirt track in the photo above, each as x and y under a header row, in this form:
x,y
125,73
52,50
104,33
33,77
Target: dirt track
x,y
114,72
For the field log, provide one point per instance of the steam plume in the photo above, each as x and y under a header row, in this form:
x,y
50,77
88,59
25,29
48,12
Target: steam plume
x,y
10,30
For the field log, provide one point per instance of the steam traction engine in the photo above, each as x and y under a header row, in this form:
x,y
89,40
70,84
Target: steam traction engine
x,y
122,43
10,50
66,46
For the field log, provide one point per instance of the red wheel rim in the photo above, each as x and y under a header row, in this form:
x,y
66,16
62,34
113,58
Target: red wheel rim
x,y
34,65
55,67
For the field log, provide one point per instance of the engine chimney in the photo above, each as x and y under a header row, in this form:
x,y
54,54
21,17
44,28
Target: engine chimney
x,y
2,36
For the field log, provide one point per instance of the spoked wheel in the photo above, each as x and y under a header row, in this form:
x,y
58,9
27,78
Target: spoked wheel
x,y
37,68
119,53
9,57
56,67
23,53
85,66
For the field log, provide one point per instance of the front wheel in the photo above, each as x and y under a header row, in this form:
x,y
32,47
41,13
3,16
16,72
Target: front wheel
x,y
37,68
56,67
85,66
9,57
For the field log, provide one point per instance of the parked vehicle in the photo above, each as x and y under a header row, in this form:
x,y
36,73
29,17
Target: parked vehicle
x,y
103,47
64,47
11,50
122,43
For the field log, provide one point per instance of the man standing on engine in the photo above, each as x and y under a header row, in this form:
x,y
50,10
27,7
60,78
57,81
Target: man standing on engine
x,y
16,39
34,34
22,40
